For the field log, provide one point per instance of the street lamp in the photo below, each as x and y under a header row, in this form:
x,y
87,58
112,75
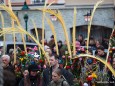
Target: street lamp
x,y
26,20
53,17
87,17
25,8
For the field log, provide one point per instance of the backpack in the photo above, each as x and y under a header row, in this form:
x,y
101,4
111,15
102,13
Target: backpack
x,y
62,82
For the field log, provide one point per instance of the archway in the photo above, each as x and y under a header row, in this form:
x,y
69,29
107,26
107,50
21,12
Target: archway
x,y
97,32
39,30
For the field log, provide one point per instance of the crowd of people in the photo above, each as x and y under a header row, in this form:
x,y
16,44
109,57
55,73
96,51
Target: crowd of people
x,y
38,71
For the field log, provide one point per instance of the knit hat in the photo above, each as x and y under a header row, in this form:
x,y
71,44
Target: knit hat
x,y
52,36
85,84
77,44
85,39
33,67
59,41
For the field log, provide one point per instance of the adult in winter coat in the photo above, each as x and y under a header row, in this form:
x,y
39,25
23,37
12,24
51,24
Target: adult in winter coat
x,y
33,79
47,73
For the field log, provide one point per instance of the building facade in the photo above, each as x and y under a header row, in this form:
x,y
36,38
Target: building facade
x,y
102,24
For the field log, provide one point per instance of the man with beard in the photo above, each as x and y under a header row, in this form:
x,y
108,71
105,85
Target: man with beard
x,y
6,63
33,78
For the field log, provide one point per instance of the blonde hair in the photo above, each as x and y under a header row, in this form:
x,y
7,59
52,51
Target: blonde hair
x,y
58,72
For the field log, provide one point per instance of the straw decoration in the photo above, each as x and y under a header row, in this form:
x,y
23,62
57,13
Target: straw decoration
x,y
110,44
10,7
74,31
65,32
2,19
54,33
22,30
14,48
11,13
36,31
23,40
43,20
43,30
59,16
101,60
51,3
19,29
12,23
4,38
89,26
43,24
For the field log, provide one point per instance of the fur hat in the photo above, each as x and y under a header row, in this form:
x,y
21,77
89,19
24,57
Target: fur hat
x,y
33,67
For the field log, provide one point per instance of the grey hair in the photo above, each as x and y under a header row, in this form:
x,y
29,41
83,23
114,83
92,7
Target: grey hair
x,y
7,57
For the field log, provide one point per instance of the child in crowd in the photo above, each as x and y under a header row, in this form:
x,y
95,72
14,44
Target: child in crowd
x,y
25,73
57,79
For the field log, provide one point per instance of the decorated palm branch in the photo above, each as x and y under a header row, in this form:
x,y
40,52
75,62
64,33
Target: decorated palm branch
x,y
81,65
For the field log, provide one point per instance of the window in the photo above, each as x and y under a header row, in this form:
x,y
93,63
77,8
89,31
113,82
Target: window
x,y
17,1
39,33
48,1
37,1
1,1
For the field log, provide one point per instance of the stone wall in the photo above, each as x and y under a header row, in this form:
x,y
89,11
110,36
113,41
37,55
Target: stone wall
x,y
102,17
